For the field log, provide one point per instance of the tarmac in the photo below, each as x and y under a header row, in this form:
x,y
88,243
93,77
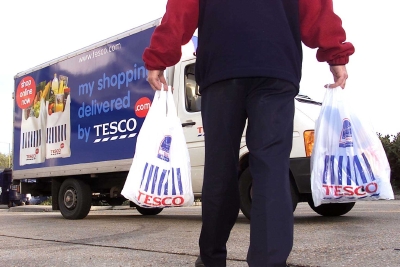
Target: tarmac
x,y
114,236
47,208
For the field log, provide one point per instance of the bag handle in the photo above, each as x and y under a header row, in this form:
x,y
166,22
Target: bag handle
x,y
171,112
158,110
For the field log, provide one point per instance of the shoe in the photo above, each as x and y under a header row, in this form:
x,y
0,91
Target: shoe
x,y
199,262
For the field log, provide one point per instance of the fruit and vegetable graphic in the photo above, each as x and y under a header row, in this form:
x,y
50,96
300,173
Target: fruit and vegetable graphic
x,y
55,91
34,109
58,94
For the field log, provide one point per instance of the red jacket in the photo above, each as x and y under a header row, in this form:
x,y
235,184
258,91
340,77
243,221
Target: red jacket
x,y
320,28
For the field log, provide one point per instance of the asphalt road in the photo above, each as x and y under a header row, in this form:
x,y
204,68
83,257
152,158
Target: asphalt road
x,y
367,236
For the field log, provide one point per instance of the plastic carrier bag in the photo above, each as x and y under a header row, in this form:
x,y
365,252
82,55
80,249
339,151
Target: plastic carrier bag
x,y
33,137
58,128
348,162
160,174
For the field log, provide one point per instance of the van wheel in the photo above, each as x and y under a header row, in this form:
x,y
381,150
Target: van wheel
x,y
331,209
245,190
148,211
75,199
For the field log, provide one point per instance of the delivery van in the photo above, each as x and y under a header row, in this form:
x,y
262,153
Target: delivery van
x,y
76,120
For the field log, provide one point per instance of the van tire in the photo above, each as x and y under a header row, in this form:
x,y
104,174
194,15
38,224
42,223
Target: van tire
x,y
75,199
148,211
331,209
245,185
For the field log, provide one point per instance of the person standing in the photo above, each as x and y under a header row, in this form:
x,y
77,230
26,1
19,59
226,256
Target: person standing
x,y
248,67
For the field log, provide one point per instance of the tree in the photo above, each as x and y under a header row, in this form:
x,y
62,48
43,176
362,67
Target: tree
x,y
391,144
4,161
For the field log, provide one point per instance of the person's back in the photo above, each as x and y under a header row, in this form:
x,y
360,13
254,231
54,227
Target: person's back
x,y
248,39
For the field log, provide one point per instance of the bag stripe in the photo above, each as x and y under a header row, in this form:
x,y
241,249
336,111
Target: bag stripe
x,y
340,174
332,170
164,172
368,167
153,187
166,188
178,174
144,173
173,183
357,164
146,188
325,174
348,170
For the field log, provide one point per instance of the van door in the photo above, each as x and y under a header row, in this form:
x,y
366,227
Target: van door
x,y
189,107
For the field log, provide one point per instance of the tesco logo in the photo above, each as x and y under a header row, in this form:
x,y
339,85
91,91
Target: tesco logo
x,y
142,107
115,127
157,201
339,190
31,157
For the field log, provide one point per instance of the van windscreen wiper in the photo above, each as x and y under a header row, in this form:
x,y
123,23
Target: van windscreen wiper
x,y
306,99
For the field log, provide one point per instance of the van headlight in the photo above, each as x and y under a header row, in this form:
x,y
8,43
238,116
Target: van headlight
x,y
309,142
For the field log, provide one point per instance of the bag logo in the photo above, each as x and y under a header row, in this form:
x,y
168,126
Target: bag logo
x,y
346,136
163,151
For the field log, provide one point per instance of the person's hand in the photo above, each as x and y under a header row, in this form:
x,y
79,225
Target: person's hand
x,y
156,78
339,76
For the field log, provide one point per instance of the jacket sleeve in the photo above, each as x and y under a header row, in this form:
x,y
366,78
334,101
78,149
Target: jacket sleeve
x,y
321,28
176,29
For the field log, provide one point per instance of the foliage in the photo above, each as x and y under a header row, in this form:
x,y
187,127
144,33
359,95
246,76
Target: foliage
x,y
4,161
391,144
46,202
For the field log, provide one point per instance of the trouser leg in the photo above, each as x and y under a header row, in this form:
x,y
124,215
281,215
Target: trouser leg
x,y
270,109
223,114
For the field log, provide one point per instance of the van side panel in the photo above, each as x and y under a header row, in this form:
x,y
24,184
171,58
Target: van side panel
x,y
84,110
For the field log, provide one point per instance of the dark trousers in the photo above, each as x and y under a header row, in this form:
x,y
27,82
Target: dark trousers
x,y
268,104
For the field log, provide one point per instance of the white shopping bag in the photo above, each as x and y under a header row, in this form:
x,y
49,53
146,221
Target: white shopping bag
x,y
33,134
160,174
58,129
348,162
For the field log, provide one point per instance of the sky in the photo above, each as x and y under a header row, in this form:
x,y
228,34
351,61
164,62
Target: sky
x,y
34,32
